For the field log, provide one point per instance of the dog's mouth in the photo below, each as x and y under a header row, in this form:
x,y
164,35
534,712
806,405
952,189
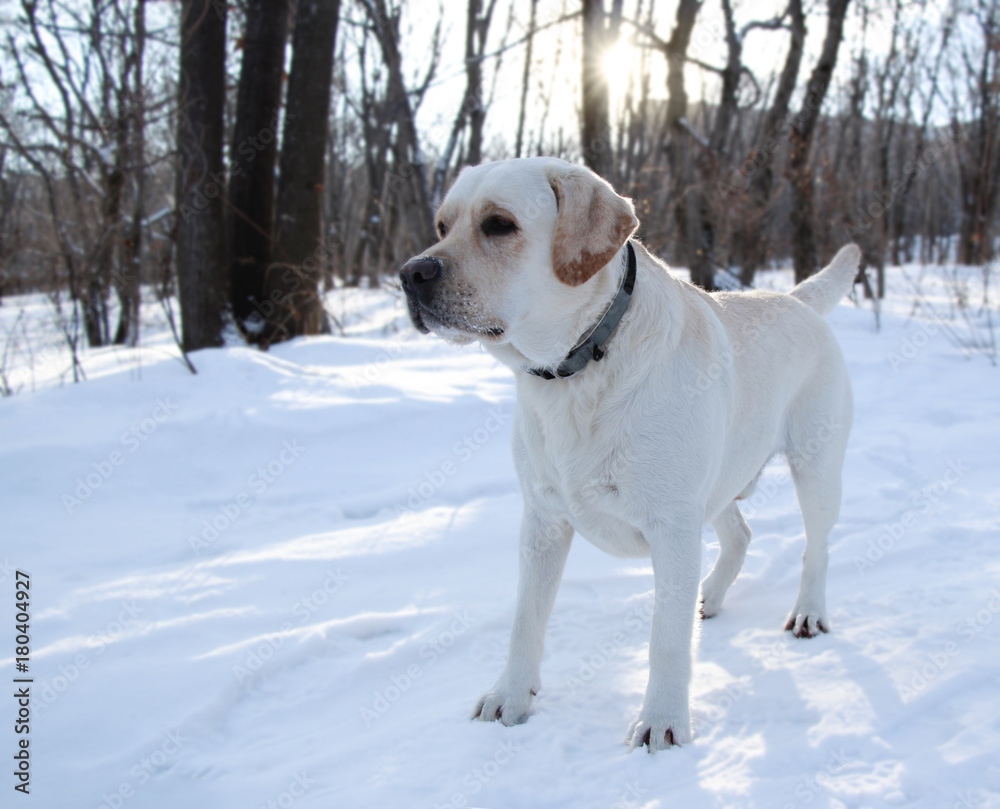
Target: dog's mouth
x,y
416,316
449,325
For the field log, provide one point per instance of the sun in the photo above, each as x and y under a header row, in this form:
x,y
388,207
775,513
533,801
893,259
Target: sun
x,y
617,63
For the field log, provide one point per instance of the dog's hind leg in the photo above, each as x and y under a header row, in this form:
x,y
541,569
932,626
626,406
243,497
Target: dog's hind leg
x,y
734,536
816,457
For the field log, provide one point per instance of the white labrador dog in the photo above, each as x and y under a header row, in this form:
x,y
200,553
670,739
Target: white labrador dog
x,y
638,449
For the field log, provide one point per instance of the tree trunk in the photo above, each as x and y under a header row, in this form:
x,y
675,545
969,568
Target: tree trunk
x,y
201,244
299,247
979,162
599,34
803,236
759,163
475,46
680,143
408,174
472,113
525,78
250,213
133,122
703,264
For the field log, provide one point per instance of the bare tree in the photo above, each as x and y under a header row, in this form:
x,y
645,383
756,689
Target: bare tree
x,y
250,213
928,83
713,152
405,181
759,163
600,32
201,238
131,141
409,157
803,237
525,78
87,120
299,248
79,128
680,143
979,139
472,111
8,196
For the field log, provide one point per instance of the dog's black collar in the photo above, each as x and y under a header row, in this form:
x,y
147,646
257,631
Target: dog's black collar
x,y
594,343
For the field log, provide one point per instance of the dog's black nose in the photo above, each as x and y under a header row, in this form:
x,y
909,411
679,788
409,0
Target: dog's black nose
x,y
418,276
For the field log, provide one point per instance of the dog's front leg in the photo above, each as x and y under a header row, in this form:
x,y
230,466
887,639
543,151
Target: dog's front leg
x,y
665,717
543,550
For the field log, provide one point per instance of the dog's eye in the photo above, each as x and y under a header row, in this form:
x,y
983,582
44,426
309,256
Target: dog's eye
x,y
498,226
442,229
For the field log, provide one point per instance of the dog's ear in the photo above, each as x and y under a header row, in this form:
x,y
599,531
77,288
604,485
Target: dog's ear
x,y
594,222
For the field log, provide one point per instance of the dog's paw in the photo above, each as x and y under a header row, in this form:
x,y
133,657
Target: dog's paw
x,y
658,732
509,705
709,607
806,624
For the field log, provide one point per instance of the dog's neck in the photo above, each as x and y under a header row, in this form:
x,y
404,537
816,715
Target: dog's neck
x,y
593,344
593,326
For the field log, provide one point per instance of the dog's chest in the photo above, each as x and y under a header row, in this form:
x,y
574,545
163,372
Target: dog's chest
x,y
583,473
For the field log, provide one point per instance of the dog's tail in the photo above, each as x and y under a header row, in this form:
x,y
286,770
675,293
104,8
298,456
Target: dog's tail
x,y
824,290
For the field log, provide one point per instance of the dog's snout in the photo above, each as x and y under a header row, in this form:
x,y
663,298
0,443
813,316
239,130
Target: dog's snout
x,y
418,276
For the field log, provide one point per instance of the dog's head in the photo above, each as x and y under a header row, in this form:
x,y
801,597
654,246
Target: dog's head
x,y
522,243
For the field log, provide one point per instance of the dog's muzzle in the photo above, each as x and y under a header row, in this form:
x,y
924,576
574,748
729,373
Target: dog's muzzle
x,y
419,277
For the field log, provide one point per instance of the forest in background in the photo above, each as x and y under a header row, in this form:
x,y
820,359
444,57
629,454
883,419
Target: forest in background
x,y
244,157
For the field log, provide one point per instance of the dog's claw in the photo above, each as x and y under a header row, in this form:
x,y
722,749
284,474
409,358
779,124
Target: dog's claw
x,y
804,625
646,734
504,705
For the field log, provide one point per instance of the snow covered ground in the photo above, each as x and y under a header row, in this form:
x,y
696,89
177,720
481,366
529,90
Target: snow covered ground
x,y
285,580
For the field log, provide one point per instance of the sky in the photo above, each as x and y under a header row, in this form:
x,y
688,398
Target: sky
x,y
557,56
556,59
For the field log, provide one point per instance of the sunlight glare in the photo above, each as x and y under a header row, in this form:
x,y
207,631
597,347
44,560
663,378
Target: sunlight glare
x,y
617,63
